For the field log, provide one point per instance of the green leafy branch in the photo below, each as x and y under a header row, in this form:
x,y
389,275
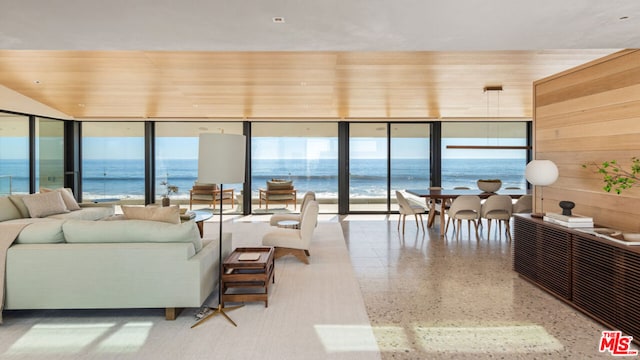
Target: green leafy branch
x,y
615,177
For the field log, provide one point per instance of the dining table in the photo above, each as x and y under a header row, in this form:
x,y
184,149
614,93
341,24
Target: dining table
x,y
442,197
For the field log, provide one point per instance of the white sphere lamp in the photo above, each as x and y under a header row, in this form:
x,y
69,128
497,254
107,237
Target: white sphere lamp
x,y
541,173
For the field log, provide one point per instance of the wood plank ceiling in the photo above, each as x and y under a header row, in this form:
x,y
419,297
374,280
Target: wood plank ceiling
x,y
284,85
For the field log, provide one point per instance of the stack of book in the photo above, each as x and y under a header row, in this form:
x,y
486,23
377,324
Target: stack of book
x,y
572,221
188,215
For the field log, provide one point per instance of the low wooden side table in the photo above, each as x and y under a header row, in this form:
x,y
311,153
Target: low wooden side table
x,y
246,275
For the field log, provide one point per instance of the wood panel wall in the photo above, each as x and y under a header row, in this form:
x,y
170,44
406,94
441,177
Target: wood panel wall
x,y
590,114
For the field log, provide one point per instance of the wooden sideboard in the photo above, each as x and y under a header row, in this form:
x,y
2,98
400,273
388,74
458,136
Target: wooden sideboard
x,y
597,276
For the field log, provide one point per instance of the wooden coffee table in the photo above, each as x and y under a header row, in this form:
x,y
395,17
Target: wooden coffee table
x,y
248,280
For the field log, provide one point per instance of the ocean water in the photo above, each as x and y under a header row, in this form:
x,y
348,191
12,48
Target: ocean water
x,y
125,178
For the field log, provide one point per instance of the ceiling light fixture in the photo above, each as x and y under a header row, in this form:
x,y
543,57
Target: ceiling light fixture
x,y
278,20
493,88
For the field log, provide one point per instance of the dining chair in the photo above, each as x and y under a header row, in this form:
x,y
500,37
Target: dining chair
x,y
405,208
524,204
465,207
498,207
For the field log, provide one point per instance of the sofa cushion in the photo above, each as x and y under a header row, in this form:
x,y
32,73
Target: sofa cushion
x,y
87,213
279,185
42,231
67,196
131,231
45,204
19,204
8,211
169,214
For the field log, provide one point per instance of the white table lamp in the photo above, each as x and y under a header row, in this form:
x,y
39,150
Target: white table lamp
x,y
541,173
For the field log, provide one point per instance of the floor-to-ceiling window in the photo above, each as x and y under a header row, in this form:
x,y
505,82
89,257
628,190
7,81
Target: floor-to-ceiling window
x,y
304,152
177,156
49,153
368,167
410,157
483,150
14,154
113,155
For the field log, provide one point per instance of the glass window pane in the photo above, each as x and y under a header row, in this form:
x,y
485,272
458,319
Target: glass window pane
x,y
113,161
14,154
367,167
306,153
410,158
49,153
177,158
463,167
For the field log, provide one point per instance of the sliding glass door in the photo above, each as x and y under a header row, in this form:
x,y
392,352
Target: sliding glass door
x,y
177,157
410,158
368,167
113,161
484,150
49,153
305,153
14,154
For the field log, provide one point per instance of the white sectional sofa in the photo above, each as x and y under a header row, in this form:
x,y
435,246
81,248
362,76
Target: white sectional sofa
x,y
79,262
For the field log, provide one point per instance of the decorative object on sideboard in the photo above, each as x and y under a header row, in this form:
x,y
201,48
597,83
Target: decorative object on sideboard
x,y
541,173
489,185
169,189
615,177
566,207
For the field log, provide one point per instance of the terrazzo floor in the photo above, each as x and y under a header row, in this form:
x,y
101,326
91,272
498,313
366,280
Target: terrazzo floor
x,y
458,298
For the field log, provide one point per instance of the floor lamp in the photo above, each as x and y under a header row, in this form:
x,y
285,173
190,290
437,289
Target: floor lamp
x,y
541,173
221,159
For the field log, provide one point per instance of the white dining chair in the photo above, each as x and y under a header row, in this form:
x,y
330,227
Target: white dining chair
x,y
465,207
498,207
405,208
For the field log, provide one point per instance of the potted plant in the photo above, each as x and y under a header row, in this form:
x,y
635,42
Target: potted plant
x,y
615,177
169,189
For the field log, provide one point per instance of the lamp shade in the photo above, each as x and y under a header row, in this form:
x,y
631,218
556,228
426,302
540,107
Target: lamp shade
x,y
541,172
221,158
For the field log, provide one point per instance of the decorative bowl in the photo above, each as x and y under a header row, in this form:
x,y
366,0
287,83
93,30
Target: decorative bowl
x,y
183,211
489,185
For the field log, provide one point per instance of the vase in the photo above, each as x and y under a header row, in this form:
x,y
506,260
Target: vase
x,y
166,201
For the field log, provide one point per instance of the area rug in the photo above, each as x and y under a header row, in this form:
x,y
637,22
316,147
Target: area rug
x,y
315,311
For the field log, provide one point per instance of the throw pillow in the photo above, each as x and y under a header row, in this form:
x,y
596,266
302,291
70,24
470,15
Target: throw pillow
x,y
17,201
169,214
8,211
67,196
45,204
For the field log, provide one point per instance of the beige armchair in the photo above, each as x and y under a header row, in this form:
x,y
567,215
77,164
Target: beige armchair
x,y
279,191
295,242
209,194
276,218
